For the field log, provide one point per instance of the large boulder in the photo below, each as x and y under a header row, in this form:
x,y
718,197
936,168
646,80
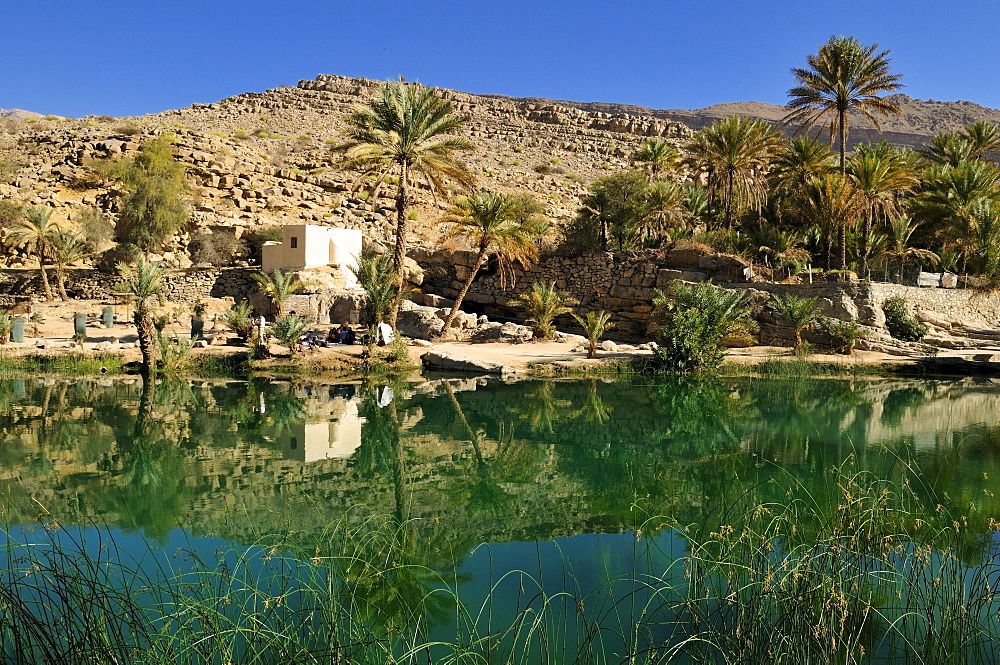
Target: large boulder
x,y
418,321
441,361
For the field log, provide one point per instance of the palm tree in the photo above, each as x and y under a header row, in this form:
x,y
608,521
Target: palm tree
x,y
279,286
144,281
734,151
901,228
802,159
381,286
664,207
833,204
595,325
984,139
881,175
543,304
37,229
844,75
950,148
798,312
508,227
657,155
403,132
66,248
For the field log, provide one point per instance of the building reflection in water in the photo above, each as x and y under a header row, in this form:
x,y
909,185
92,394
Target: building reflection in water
x,y
331,429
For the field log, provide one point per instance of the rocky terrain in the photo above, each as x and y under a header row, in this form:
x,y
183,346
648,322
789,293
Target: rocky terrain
x,y
262,158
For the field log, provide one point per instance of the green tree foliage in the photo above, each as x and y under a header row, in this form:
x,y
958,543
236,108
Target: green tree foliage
x,y
37,230
845,75
543,303
594,325
655,156
406,132
289,330
279,287
695,320
734,153
383,291
898,246
899,323
798,312
152,196
832,204
239,319
11,211
144,281
66,248
506,227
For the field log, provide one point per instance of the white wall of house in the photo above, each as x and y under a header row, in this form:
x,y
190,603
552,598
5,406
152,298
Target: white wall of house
x,y
308,246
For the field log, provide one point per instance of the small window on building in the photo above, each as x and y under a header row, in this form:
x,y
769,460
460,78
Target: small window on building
x,y
295,242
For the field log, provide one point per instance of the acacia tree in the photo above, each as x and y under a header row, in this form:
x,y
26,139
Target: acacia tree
x,y
734,152
151,198
506,226
37,229
407,132
144,281
845,74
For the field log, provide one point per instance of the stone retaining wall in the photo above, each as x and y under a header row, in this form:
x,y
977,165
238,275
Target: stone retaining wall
x,y
180,286
625,284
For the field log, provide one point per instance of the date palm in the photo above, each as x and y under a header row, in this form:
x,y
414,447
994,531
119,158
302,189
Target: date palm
x,y
734,152
800,160
37,230
67,248
898,247
543,304
832,204
279,286
507,227
144,281
844,75
798,312
881,176
656,155
664,208
406,132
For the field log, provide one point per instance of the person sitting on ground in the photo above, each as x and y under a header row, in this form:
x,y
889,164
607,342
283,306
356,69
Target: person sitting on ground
x,y
346,334
333,336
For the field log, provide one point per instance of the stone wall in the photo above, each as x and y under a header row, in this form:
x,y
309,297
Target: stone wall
x,y
625,284
180,286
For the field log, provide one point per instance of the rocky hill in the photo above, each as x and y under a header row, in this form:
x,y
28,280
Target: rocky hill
x,y
262,158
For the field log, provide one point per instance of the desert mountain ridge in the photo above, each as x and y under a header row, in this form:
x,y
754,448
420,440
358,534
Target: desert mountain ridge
x,y
264,158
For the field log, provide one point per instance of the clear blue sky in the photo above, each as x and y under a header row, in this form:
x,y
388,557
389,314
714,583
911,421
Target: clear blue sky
x,y
79,57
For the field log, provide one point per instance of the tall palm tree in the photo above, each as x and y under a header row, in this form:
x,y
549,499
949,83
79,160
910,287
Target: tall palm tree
x,y
664,208
832,204
881,175
844,75
800,160
901,228
382,288
279,286
37,230
734,151
406,131
505,226
66,248
144,281
656,155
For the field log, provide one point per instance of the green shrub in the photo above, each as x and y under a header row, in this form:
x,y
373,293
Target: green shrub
x,y
288,330
239,319
218,249
696,319
175,353
899,323
543,304
844,335
798,312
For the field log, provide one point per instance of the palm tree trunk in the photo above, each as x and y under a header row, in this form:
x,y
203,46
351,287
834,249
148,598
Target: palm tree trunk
x,y
902,260
144,328
843,245
402,203
729,200
465,287
829,250
61,283
41,269
843,138
865,235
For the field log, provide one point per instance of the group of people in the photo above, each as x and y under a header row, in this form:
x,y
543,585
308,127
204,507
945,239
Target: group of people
x,y
342,335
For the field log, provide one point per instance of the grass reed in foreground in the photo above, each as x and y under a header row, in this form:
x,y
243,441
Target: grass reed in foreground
x,y
873,571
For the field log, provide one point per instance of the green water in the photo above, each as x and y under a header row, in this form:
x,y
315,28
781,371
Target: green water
x,y
576,482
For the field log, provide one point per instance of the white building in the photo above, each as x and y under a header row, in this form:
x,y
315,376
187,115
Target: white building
x,y
308,246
